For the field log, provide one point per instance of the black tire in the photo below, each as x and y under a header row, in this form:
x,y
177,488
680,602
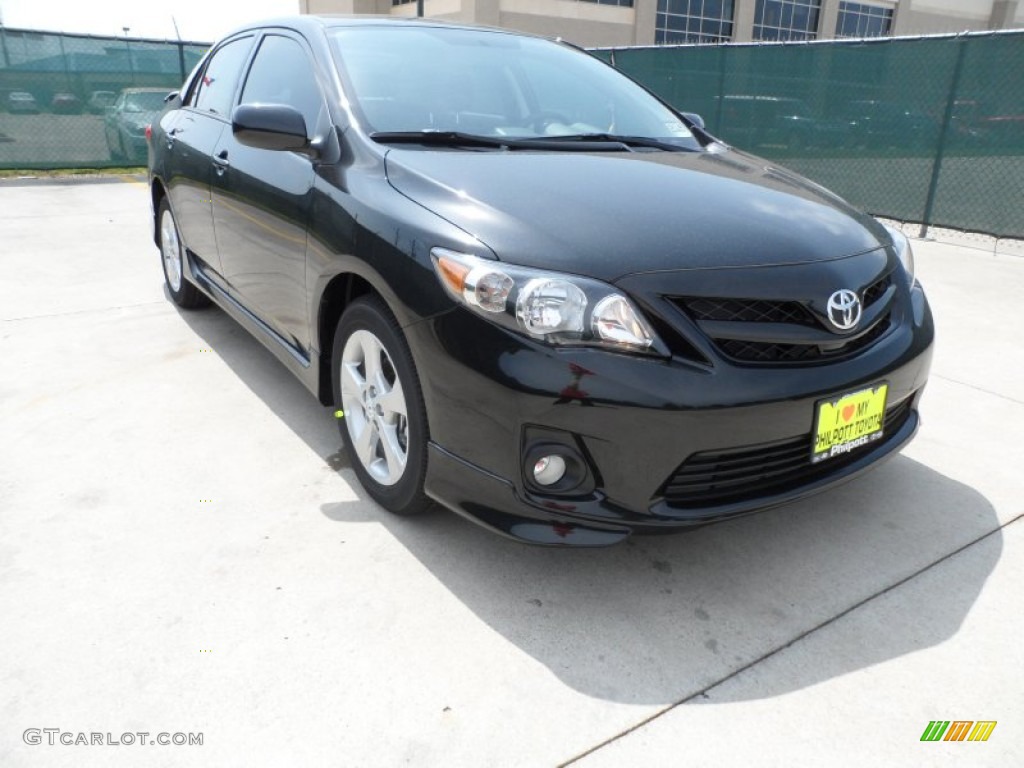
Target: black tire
x,y
184,294
371,412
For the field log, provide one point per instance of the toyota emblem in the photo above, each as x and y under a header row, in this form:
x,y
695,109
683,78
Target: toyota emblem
x,y
844,309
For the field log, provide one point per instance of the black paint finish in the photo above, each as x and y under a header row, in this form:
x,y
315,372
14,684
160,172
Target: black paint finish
x,y
282,239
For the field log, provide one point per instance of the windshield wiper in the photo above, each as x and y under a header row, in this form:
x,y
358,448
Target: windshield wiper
x,y
441,138
579,142
613,138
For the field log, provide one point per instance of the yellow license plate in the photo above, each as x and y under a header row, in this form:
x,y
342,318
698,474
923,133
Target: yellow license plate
x,y
852,421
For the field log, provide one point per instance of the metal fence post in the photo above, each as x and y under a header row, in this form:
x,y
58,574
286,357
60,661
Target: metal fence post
x,y
723,59
64,61
940,151
181,60
131,63
3,46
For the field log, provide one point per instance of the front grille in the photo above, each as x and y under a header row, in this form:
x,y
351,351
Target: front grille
x,y
750,311
875,291
721,477
789,312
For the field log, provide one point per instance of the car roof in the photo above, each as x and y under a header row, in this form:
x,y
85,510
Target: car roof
x,y
310,23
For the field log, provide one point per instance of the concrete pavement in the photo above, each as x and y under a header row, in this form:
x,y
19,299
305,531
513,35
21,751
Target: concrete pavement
x,y
183,548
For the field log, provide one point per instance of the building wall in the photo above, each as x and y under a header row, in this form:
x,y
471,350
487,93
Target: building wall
x,y
580,23
925,17
344,6
590,24
580,32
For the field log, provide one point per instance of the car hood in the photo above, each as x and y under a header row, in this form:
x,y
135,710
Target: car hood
x,y
609,214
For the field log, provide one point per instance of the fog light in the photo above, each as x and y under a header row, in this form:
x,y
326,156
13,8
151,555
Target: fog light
x,y
548,470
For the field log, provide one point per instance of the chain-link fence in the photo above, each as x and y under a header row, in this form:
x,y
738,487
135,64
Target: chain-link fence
x,y
927,129
79,101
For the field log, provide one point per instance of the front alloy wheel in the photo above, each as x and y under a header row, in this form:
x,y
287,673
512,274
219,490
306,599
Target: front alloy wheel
x,y
376,415
384,426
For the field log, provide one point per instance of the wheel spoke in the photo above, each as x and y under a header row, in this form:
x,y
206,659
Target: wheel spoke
x,y
371,359
393,453
352,382
366,444
393,402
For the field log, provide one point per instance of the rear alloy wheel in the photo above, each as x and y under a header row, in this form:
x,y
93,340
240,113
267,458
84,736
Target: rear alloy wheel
x,y
185,295
384,422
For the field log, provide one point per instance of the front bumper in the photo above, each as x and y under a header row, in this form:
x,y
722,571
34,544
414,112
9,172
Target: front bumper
x,y
634,420
136,145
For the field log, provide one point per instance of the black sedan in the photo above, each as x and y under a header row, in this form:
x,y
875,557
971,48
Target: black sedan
x,y
528,289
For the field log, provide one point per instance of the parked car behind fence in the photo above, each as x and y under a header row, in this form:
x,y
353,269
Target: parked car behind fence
x,y
125,122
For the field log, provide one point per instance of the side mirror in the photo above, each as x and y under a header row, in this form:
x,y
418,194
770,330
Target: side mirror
x,y
694,118
270,126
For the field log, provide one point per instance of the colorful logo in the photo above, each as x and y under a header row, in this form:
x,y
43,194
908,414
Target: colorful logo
x,y
958,730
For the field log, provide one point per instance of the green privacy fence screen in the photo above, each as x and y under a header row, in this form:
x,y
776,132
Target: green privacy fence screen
x,y
58,93
926,130
918,129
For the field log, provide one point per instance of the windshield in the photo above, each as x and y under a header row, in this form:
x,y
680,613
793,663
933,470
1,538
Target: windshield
x,y
145,102
492,84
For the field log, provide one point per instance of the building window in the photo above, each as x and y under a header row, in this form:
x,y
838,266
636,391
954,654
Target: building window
x,y
786,19
861,20
620,3
693,21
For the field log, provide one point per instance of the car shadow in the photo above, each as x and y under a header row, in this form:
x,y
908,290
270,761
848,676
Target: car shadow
x,y
661,618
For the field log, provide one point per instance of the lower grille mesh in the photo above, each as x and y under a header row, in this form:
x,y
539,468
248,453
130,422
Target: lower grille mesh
x,y
766,352
721,477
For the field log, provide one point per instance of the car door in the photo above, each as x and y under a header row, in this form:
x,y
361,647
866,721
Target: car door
x,y
262,198
191,138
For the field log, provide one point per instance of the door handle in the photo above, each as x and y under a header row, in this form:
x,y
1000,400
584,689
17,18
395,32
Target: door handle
x,y
171,135
220,162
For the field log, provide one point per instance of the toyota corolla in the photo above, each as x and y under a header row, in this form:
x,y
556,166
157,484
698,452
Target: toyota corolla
x,y
527,288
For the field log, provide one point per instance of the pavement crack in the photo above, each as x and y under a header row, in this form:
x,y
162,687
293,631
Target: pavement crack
x,y
774,651
81,312
976,388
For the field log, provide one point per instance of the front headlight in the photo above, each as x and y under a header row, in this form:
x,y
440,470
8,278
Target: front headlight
x,y
903,251
547,306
